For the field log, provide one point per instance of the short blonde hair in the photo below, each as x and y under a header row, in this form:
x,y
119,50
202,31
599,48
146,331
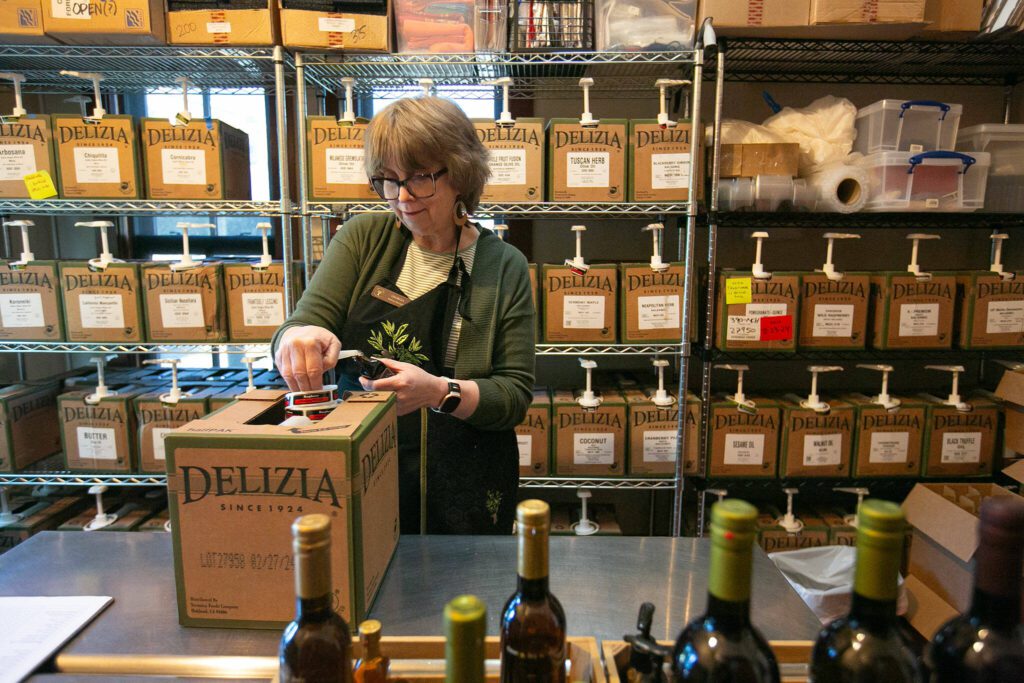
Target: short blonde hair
x,y
423,132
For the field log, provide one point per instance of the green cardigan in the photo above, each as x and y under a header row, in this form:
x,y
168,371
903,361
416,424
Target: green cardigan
x,y
496,347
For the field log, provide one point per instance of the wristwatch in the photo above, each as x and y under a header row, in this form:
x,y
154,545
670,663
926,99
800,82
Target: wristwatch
x,y
451,400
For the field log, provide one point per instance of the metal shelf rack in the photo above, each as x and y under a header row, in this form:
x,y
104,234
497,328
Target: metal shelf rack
x,y
864,355
623,484
98,348
861,221
64,478
138,207
533,210
610,349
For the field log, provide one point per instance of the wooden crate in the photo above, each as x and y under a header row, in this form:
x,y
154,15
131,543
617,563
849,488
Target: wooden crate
x,y
792,655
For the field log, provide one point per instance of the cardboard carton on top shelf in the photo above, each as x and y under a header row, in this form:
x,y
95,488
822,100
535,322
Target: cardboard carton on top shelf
x,y
29,429
249,23
762,158
26,146
21,22
325,29
952,16
742,17
867,12
125,22
793,19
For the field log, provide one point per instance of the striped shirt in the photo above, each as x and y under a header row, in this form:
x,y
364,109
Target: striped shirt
x,y
423,271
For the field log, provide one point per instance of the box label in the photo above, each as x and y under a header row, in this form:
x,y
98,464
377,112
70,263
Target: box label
x,y
744,449
508,167
183,166
764,310
21,310
97,443
336,25
776,327
97,165
919,320
833,320
823,449
588,169
40,185
737,291
16,161
181,310
743,328
525,444
66,9
263,309
658,312
344,166
583,312
661,445
889,447
961,447
1005,317
670,171
593,449
159,451
218,27
101,310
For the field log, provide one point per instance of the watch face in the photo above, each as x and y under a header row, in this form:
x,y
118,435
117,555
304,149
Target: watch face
x,y
450,403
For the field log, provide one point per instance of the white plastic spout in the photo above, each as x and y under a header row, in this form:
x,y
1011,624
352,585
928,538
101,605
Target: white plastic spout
x,y
662,398
587,119
427,84
81,101
584,527
265,258
663,84
789,521
504,119
98,112
657,231
883,398
813,400
954,398
739,398
186,261
183,117
16,80
175,394
102,390
26,247
576,264
757,270
249,360
997,255
105,257
589,400
861,493
913,266
829,268
6,516
719,494
349,115
502,231
102,518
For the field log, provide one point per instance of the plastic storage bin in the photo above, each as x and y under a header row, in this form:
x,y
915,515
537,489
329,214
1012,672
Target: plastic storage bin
x,y
907,126
1005,142
766,193
929,181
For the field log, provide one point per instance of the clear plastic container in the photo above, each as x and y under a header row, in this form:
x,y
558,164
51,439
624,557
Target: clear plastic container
x,y
907,126
1005,142
930,181
766,193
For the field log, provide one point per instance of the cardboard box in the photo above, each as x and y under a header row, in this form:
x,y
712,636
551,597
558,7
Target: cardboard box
x,y
102,305
21,22
30,302
535,289
534,437
816,444
1011,392
744,444
653,434
866,11
755,14
659,161
516,159
754,159
990,311
29,428
126,22
768,323
184,305
329,30
587,164
953,16
100,437
38,514
589,442
840,532
335,160
97,160
26,146
255,301
960,444
834,313
580,308
888,444
651,303
200,160
156,419
237,470
773,538
250,22
913,313
159,523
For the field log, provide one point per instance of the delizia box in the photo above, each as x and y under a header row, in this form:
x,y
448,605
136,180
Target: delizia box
x,y
533,436
26,147
29,295
97,156
201,159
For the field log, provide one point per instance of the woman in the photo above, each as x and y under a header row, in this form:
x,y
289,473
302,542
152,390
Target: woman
x,y
445,304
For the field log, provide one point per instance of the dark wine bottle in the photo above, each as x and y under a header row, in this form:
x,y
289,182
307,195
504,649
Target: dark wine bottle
x,y
317,646
465,631
986,645
722,645
533,623
866,645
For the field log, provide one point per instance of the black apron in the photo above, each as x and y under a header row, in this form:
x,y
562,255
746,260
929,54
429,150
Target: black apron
x,y
471,477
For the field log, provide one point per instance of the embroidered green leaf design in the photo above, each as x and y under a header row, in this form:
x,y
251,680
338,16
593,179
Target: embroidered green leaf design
x,y
397,343
415,345
494,504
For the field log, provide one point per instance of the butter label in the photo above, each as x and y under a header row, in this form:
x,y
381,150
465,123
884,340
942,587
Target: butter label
x,y
96,437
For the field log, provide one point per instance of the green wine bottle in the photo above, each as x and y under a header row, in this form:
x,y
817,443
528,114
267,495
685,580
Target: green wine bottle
x,y
465,630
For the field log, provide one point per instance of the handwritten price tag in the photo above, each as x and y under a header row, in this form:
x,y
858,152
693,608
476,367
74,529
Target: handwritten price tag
x,y
742,328
40,185
737,291
776,328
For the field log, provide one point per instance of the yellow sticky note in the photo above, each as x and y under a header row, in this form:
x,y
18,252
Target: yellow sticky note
x,y
737,290
40,185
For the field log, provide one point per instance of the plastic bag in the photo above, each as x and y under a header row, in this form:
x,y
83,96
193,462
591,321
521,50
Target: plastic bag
x,y
823,577
825,130
645,24
735,132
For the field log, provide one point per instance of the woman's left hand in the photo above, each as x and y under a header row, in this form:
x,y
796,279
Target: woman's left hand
x,y
414,386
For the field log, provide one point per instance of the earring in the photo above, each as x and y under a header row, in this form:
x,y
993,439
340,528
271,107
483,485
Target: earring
x,y
461,213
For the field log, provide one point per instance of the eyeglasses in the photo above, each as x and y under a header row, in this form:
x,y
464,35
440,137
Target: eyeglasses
x,y
419,186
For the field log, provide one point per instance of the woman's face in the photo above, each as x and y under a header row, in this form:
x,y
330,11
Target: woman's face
x,y
432,216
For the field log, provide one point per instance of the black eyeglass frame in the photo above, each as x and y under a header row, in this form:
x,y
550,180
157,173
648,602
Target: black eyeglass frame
x,y
405,183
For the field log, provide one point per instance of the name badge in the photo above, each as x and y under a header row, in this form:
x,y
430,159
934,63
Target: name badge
x,y
387,296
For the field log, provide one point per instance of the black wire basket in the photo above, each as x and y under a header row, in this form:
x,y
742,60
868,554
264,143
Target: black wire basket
x,y
552,25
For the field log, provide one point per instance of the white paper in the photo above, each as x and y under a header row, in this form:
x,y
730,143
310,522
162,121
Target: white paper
x,y
24,309
97,443
181,310
508,167
16,161
744,449
97,165
658,312
823,449
587,169
919,320
183,166
44,624
743,328
344,166
336,25
961,447
767,310
69,9
101,310
1005,317
525,443
593,449
583,312
159,452
262,309
888,447
218,27
660,445
670,171
833,320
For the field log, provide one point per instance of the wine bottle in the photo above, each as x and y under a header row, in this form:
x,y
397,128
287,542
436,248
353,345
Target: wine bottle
x,y
372,667
722,645
317,646
533,622
987,644
866,645
465,630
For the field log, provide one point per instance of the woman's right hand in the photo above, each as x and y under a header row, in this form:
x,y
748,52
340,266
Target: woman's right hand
x,y
304,354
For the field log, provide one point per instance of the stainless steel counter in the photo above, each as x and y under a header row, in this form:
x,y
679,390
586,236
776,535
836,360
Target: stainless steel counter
x,y
600,580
